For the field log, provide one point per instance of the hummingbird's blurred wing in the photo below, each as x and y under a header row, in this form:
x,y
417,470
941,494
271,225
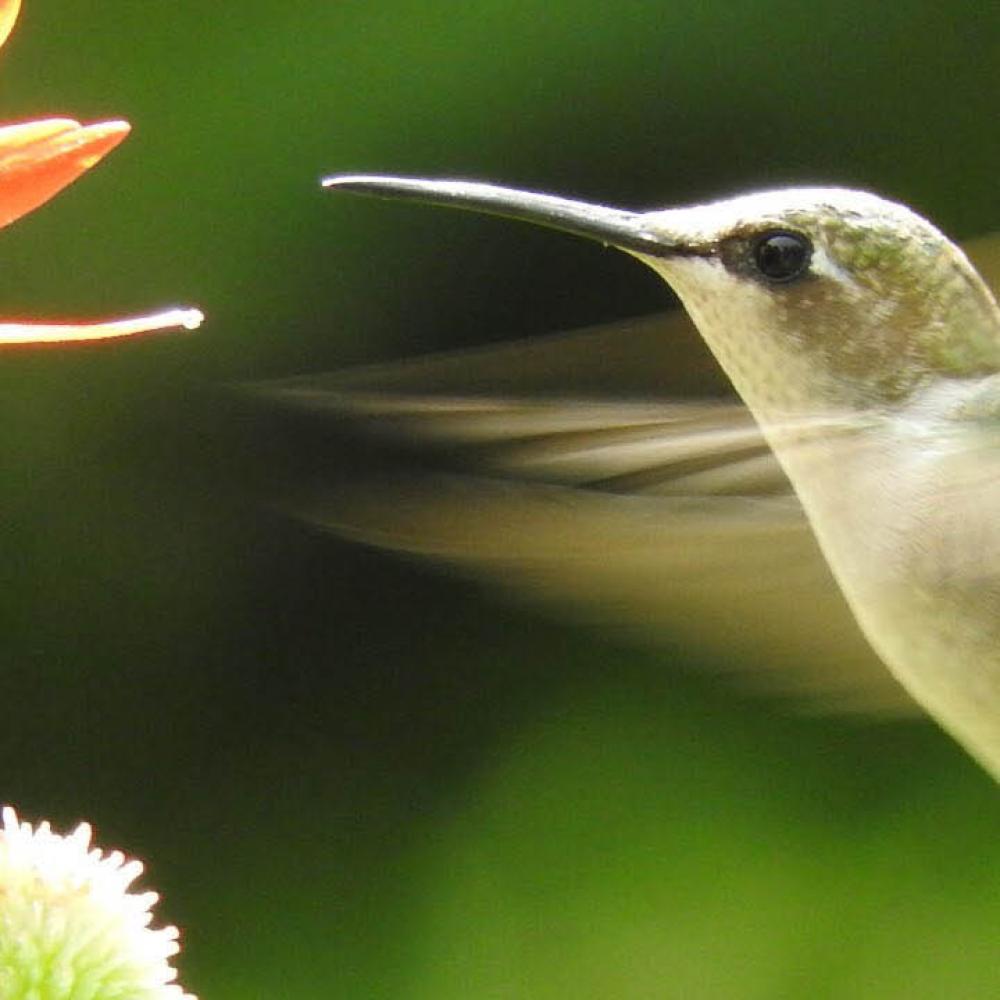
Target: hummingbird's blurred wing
x,y
555,468
610,471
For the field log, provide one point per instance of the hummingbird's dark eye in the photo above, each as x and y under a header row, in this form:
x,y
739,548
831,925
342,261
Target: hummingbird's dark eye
x,y
781,255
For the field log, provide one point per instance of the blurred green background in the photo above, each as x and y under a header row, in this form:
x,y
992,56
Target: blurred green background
x,y
351,776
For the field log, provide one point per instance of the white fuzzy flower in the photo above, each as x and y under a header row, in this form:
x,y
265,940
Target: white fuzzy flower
x,y
69,927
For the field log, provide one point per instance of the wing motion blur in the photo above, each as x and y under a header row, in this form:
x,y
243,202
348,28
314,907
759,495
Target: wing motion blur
x,y
609,473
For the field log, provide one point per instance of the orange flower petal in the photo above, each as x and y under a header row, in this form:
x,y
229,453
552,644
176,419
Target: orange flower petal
x,y
22,134
38,159
57,333
8,15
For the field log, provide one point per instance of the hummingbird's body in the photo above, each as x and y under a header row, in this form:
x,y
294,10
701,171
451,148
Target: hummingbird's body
x,y
907,513
870,377
867,348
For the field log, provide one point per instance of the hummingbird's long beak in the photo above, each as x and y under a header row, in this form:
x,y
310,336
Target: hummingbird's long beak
x,y
610,226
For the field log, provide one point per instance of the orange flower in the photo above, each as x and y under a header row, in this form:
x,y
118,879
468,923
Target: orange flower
x,y
37,160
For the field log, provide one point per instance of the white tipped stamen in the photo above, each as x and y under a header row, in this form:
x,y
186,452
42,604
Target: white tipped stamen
x,y
56,333
71,927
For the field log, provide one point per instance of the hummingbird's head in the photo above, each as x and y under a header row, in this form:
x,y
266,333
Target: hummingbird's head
x,y
825,295
807,296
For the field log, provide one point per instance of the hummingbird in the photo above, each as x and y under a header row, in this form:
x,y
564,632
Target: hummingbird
x,y
846,504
